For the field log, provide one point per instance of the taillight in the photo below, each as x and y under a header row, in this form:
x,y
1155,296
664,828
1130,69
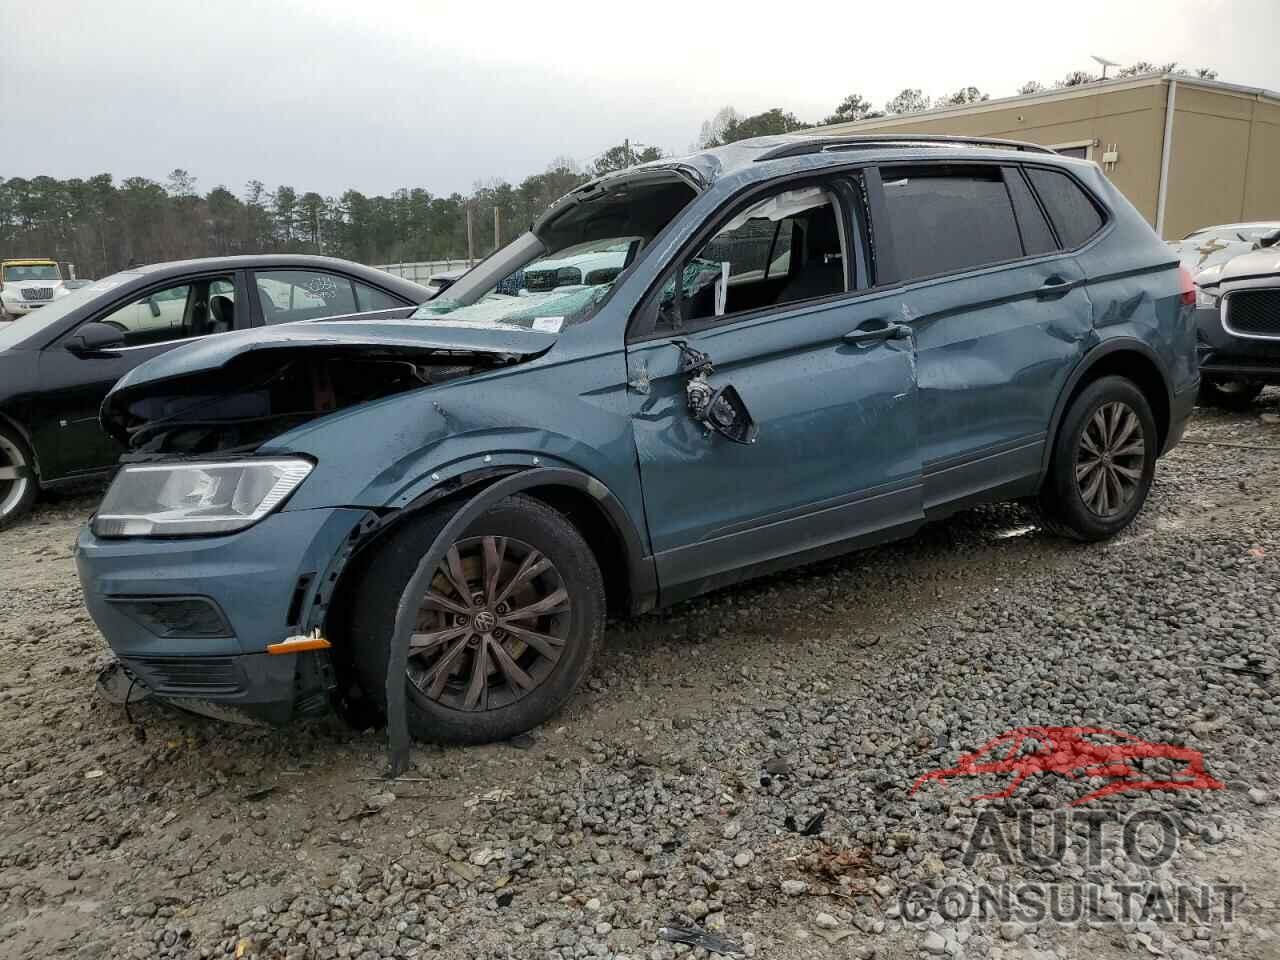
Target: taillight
x,y
1188,287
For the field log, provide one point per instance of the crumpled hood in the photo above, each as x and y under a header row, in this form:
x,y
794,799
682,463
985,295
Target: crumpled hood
x,y
360,336
1259,263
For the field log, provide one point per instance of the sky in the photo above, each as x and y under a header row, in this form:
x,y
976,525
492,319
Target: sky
x,y
329,95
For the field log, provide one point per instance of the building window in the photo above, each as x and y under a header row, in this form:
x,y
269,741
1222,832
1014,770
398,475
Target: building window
x,y
1080,149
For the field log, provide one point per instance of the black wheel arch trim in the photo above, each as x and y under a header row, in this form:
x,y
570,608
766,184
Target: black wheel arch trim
x,y
640,573
1087,363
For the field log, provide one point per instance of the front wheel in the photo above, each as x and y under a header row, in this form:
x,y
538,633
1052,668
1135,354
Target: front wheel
x,y
506,630
1228,394
17,479
1104,458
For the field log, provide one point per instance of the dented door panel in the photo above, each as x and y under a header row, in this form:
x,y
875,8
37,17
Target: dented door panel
x,y
835,458
992,359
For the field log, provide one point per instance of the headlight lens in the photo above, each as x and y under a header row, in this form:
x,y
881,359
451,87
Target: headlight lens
x,y
1205,300
183,499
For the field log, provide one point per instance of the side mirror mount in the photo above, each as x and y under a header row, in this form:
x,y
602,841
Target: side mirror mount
x,y
155,307
94,338
1270,240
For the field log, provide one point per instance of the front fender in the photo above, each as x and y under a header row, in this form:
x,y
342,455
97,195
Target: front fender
x,y
384,454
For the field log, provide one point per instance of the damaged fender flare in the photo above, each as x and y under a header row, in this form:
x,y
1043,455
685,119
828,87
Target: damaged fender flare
x,y
406,610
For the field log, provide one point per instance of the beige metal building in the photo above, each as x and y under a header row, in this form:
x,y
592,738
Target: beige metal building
x,y
1187,153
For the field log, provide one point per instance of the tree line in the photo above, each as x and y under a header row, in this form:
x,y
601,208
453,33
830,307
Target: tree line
x,y
728,125
103,226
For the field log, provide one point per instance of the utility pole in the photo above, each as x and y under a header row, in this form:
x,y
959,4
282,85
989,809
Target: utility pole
x,y
497,227
471,243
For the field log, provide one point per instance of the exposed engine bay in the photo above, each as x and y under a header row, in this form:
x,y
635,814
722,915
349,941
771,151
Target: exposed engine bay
x,y
263,394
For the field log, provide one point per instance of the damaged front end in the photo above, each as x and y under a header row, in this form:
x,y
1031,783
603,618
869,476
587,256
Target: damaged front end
x,y
210,587
233,396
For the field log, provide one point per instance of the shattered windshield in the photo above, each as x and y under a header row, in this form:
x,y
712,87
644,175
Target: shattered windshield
x,y
562,271
558,289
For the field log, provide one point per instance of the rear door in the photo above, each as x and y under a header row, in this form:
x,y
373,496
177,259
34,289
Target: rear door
x,y
999,315
776,296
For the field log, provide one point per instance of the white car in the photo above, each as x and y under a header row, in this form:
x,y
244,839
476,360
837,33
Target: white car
x,y
586,264
27,285
1209,246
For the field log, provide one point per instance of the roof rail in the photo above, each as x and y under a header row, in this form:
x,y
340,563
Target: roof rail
x,y
869,141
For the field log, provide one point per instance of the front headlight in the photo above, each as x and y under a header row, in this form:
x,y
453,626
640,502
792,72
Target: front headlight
x,y
1206,300
183,499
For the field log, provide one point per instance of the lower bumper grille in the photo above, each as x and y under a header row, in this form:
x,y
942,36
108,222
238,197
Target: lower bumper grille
x,y
188,676
1254,313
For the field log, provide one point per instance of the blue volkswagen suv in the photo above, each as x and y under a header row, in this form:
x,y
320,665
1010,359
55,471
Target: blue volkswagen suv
x,y
799,346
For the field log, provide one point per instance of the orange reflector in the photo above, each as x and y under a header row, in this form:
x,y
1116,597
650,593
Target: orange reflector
x,y
299,645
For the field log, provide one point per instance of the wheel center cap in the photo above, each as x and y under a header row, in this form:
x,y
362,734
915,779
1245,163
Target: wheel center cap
x,y
485,621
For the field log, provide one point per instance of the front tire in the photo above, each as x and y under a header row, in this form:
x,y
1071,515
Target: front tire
x,y
508,629
1228,394
18,486
1104,458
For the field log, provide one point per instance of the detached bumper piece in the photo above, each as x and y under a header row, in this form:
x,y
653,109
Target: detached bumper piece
x,y
247,689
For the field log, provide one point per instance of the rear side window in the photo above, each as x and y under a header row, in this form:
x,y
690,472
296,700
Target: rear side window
x,y
371,298
290,295
1037,238
944,219
1074,215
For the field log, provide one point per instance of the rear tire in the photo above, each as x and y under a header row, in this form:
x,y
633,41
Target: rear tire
x,y
17,492
484,667
1104,458
1228,394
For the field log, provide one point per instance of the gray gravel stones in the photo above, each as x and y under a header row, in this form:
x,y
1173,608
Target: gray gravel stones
x,y
664,794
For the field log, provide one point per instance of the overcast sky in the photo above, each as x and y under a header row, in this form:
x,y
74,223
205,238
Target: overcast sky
x,y
332,94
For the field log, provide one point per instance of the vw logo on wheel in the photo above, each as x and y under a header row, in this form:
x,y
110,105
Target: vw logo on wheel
x,y
485,621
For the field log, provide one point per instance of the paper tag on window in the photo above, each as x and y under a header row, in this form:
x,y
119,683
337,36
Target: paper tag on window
x,y
548,324
722,288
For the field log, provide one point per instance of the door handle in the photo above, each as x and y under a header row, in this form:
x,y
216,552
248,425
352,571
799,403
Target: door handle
x,y
1054,287
890,331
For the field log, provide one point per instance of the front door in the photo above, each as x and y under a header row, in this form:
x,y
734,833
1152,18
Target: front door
x,y
771,300
75,385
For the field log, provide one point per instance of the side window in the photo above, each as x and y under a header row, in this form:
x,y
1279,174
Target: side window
x,y
782,249
193,309
1037,238
943,219
371,298
289,295
1074,214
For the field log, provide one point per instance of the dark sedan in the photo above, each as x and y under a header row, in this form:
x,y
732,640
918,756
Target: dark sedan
x,y
58,364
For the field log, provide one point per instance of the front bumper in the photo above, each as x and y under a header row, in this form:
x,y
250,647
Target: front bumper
x,y
263,581
1225,356
18,308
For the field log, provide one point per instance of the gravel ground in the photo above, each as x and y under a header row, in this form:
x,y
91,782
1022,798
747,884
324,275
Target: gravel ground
x,y
674,789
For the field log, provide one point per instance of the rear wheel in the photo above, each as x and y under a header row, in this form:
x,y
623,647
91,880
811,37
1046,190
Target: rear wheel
x,y
505,632
1104,458
17,479
1229,394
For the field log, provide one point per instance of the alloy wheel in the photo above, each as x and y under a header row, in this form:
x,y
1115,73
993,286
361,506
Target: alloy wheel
x,y
492,626
15,476
1110,459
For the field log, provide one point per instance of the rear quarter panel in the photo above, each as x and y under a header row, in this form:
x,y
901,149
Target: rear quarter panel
x,y
1135,287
